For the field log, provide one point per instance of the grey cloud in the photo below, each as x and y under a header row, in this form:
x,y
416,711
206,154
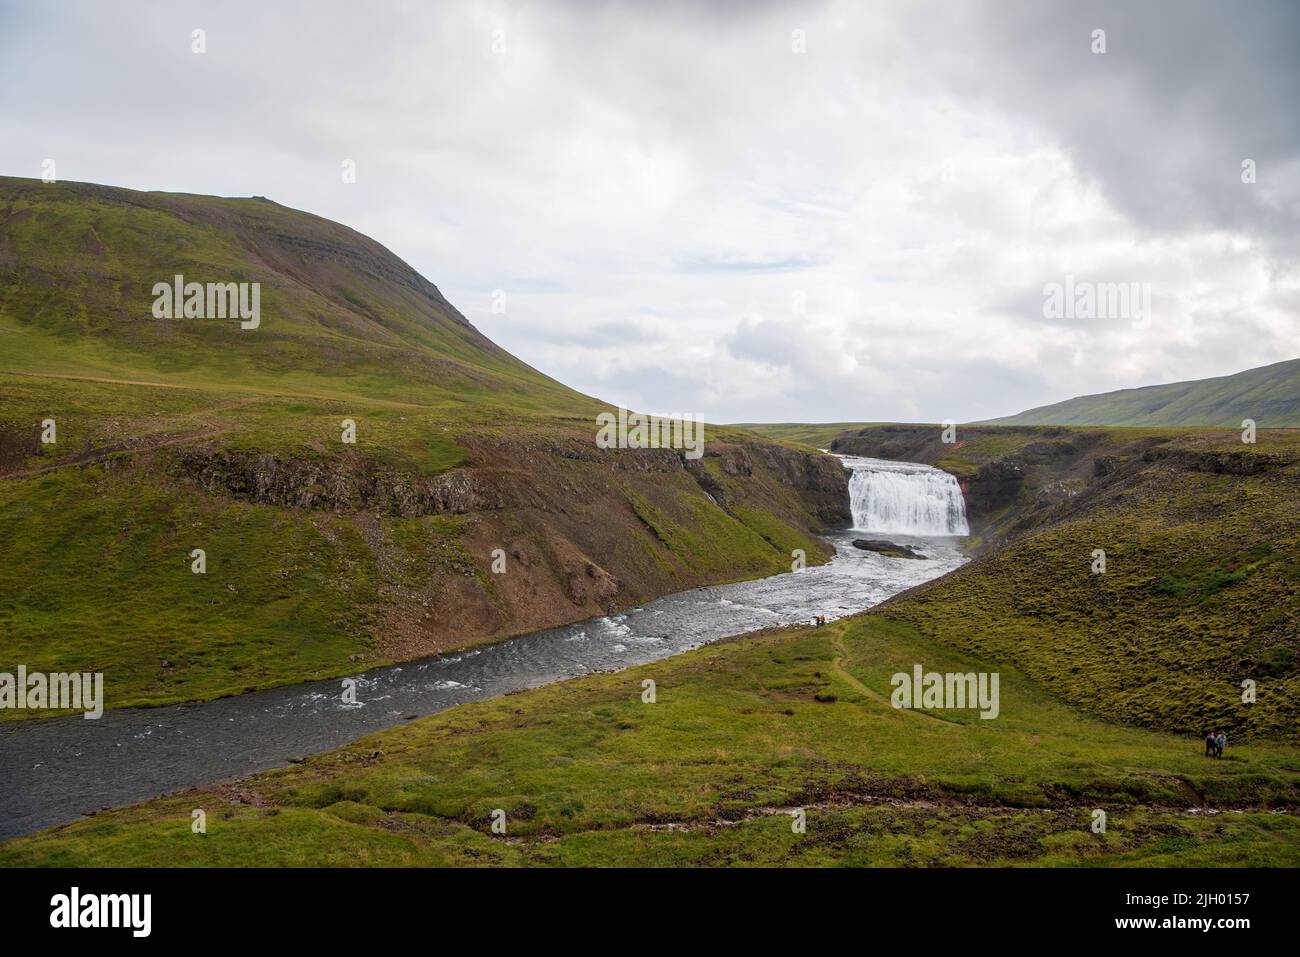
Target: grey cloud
x,y
638,177
1186,90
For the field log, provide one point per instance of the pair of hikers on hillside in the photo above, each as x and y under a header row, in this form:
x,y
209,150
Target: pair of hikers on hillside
x,y
1214,742
819,621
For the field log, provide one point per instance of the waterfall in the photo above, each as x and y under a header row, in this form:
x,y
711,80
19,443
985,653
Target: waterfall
x,y
904,498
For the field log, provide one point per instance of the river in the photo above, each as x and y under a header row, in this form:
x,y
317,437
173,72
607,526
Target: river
x,y
54,770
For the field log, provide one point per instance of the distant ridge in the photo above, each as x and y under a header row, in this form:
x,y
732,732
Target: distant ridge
x,y
1270,395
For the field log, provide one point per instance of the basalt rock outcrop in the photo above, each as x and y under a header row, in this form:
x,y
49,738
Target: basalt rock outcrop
x,y
346,483
819,480
497,478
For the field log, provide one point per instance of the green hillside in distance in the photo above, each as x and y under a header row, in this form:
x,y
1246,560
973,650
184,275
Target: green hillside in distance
x,y
1270,395
340,314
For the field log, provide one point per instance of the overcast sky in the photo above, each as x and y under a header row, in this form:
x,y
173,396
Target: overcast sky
x,y
659,188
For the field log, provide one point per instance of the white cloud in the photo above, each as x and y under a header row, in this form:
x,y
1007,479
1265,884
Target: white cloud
x,y
653,185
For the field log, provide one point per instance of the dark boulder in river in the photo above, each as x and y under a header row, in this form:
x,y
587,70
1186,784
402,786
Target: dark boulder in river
x,y
888,549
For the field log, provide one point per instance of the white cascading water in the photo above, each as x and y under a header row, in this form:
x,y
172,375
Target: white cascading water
x,y
904,498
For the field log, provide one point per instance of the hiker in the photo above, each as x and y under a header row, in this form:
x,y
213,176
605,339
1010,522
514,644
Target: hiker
x,y
1220,740
1211,742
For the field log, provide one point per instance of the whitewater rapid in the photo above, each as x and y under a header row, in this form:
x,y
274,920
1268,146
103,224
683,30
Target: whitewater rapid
x,y
904,498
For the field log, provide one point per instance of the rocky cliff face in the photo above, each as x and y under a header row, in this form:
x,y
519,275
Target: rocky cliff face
x,y
351,482
585,531
819,480
346,483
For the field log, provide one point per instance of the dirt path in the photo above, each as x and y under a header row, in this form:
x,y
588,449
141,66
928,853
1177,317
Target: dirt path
x,y
257,393
91,378
147,444
844,673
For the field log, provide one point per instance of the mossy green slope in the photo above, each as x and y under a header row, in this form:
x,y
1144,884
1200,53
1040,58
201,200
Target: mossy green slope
x,y
1200,592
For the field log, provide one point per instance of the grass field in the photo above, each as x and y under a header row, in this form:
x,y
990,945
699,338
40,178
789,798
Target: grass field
x,y
741,734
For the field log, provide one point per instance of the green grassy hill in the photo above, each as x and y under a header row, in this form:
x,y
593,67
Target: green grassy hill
x,y
341,315
322,557
1201,590
1269,395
